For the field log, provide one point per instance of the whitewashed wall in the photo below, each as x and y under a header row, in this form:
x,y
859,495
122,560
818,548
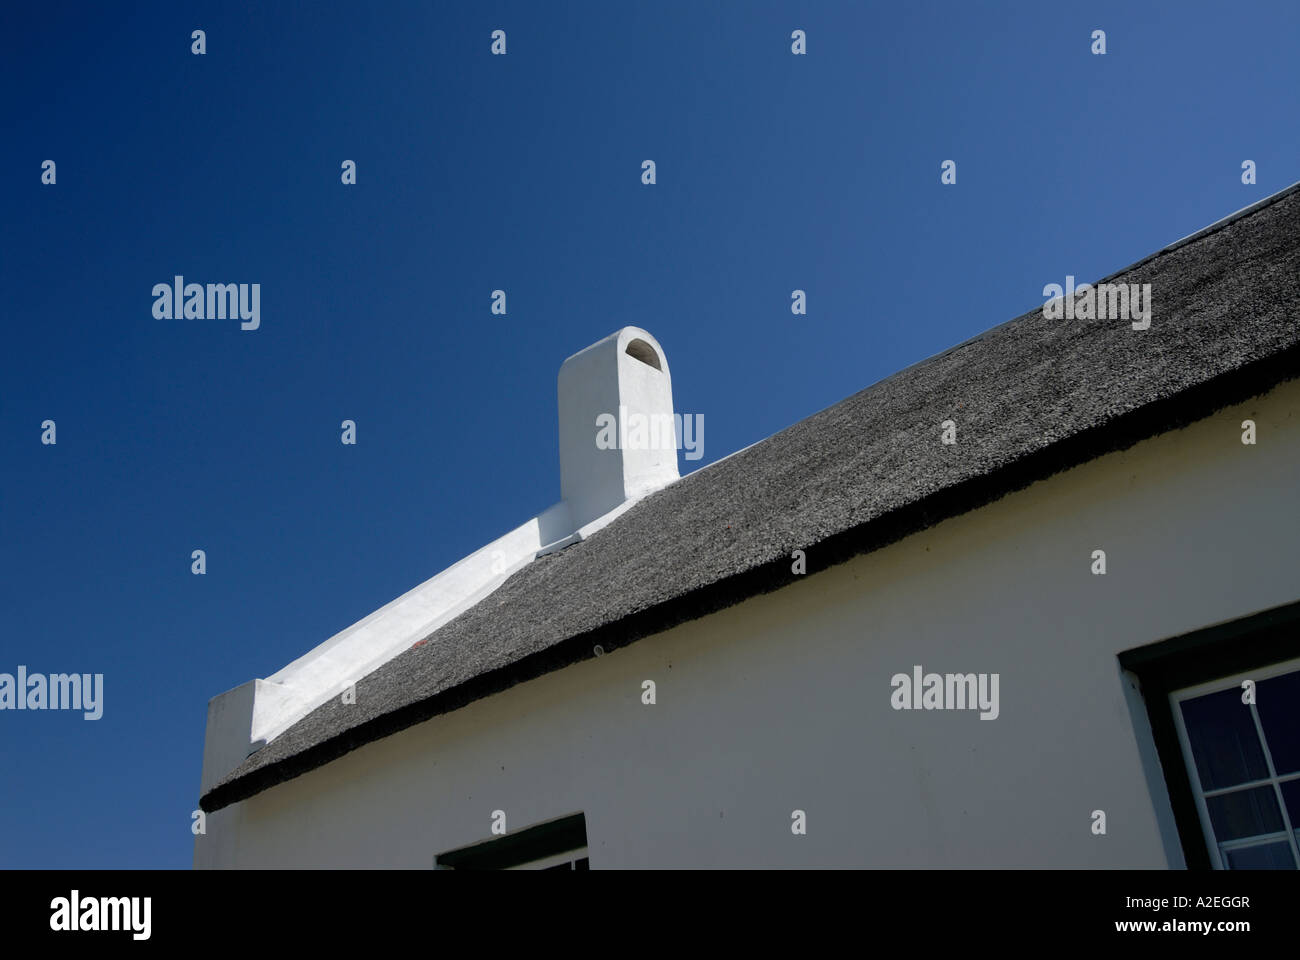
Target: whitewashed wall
x,y
783,702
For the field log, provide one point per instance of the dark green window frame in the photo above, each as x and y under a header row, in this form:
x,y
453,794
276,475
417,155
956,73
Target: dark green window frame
x,y
524,846
1201,656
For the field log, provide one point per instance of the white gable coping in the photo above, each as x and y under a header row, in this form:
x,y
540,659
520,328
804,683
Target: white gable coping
x,y
599,485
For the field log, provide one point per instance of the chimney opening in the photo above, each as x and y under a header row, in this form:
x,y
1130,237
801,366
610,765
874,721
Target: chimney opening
x,y
640,350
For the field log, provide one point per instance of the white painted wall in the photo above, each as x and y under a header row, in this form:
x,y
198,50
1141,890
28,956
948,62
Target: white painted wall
x,y
783,701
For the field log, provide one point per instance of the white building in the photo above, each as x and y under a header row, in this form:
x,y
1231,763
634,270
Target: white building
x,y
953,519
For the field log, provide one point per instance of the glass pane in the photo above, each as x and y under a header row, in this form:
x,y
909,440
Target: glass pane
x,y
1278,702
1244,813
1267,856
1291,797
1225,744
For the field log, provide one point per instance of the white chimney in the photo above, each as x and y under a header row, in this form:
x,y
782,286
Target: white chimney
x,y
618,440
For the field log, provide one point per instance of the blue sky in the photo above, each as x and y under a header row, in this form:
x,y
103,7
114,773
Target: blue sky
x,y
474,172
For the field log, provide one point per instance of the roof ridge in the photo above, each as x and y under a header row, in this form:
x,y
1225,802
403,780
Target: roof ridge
x,y
1214,227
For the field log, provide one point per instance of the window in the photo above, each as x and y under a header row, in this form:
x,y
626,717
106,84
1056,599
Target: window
x,y
573,860
555,845
1243,762
1232,768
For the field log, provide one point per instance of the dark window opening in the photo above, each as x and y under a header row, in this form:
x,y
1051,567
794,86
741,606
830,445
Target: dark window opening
x,y
557,845
640,350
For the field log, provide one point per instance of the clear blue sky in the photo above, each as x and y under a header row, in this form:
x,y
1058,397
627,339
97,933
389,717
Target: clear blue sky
x,y
775,172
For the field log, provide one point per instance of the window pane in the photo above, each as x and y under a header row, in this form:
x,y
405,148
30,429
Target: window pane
x,y
1225,744
1278,702
1291,797
1267,856
1244,813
